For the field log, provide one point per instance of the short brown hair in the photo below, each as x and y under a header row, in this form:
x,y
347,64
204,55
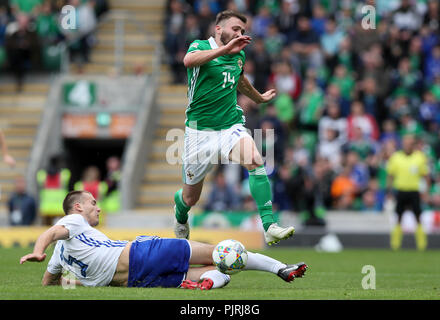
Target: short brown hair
x,y
225,15
72,198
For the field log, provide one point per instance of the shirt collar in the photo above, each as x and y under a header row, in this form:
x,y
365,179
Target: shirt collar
x,y
212,43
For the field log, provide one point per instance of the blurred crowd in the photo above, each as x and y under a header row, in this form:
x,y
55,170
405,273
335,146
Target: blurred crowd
x,y
55,181
30,31
346,93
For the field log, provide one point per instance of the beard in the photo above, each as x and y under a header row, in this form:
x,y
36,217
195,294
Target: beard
x,y
226,37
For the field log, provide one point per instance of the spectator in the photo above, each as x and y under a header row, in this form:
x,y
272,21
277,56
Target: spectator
x,y
333,94
434,194
307,196
82,38
305,44
415,54
344,81
261,22
47,25
362,144
366,122
429,110
363,38
22,48
333,120
205,19
286,20
330,42
330,148
369,96
262,62
409,125
311,105
345,55
343,190
431,18
399,105
406,16
26,7
53,185
272,121
214,6
371,198
285,80
432,64
91,182
274,42
429,39
112,198
319,20
406,80
389,132
174,25
22,207
222,197
281,189
359,173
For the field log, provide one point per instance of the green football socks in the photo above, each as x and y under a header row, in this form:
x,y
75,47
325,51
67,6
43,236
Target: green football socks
x,y
181,208
261,192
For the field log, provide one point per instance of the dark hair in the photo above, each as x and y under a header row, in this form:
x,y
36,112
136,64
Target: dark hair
x,y
225,15
71,198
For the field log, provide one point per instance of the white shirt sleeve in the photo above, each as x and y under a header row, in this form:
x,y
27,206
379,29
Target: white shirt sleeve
x,y
54,265
75,223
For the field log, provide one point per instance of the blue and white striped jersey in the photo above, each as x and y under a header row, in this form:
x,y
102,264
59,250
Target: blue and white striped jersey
x,y
88,253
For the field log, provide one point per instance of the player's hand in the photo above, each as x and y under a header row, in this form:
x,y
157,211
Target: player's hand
x,y
34,257
268,95
9,160
237,44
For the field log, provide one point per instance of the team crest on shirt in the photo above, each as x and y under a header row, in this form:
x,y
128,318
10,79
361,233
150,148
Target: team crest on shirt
x,y
194,45
190,175
240,63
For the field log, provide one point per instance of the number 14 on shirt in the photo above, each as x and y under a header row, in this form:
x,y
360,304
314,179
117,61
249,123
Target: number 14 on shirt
x,y
227,79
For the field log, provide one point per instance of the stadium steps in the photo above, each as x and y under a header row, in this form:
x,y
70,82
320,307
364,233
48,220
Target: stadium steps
x,y
163,177
140,33
20,115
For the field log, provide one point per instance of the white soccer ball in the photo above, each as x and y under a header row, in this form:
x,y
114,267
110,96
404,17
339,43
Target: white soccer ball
x,y
230,256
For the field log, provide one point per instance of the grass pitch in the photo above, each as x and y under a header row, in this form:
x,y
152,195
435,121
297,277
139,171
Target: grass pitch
x,y
399,275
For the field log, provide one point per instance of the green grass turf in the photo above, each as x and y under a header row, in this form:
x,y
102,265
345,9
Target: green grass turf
x,y
399,275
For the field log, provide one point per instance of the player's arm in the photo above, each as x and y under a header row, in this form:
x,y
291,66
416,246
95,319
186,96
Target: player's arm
x,y
50,279
197,58
51,235
246,88
7,158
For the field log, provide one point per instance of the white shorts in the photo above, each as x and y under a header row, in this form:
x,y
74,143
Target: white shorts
x,y
204,149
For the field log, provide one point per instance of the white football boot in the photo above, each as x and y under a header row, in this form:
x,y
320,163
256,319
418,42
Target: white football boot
x,y
181,230
275,233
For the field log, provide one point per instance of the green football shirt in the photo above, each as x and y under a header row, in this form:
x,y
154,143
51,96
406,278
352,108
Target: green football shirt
x,y
212,90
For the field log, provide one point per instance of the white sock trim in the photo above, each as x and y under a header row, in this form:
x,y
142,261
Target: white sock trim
x,y
261,262
219,279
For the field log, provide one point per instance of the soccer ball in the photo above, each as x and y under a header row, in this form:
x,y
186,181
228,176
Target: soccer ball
x,y
230,256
